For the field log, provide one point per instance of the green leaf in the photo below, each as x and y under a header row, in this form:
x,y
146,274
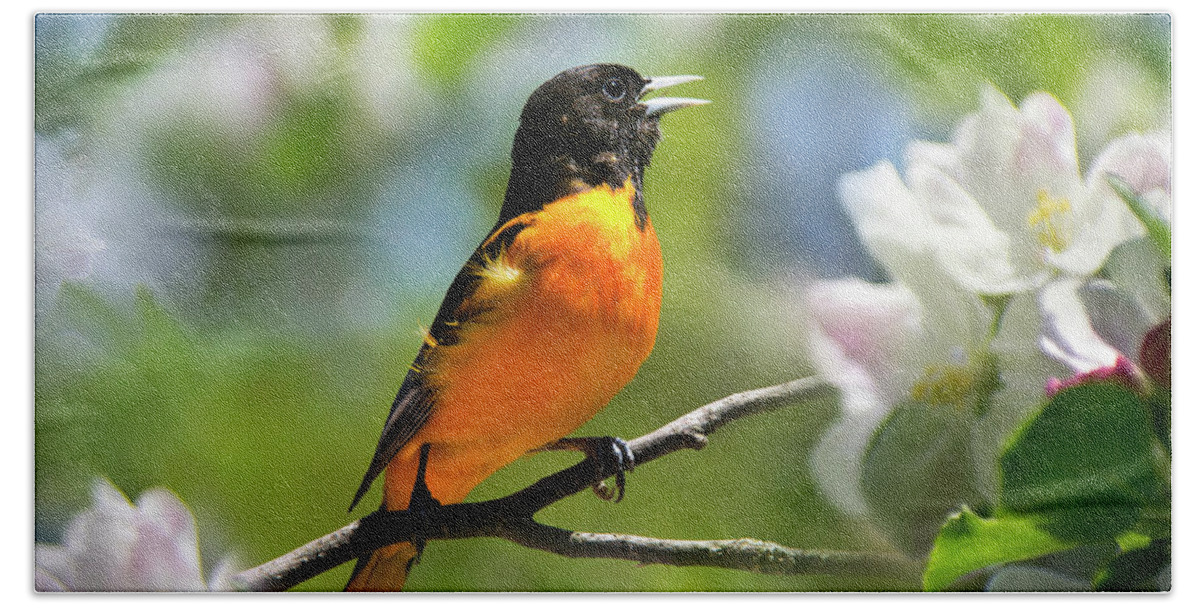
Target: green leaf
x,y
1136,570
1082,470
916,470
1089,450
1156,226
1132,541
969,542
1090,524
1159,404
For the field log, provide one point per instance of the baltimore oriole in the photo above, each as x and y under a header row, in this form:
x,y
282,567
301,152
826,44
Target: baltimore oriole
x,y
552,314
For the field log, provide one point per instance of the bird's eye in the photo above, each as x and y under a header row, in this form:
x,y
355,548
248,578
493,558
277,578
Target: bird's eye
x,y
614,89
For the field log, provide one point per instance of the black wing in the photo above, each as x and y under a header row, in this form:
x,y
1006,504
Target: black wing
x,y
409,412
415,400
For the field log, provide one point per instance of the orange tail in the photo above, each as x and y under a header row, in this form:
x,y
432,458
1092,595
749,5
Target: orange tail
x,y
385,570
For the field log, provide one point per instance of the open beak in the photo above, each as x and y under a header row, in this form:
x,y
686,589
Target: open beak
x,y
661,105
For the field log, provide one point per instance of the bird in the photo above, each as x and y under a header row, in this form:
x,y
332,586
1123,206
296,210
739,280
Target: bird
x,y
551,315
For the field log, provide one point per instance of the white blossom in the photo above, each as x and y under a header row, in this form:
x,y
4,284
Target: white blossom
x,y
1003,210
1006,200
118,546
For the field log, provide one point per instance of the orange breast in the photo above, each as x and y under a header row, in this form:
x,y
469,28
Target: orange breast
x,y
571,311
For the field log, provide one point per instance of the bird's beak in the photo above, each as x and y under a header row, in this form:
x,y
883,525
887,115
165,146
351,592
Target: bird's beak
x,y
661,105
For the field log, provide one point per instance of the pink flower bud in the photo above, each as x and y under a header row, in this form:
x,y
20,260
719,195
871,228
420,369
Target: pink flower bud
x,y
1155,355
1122,372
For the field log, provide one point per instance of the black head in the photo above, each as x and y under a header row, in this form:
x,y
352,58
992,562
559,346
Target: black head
x,y
587,125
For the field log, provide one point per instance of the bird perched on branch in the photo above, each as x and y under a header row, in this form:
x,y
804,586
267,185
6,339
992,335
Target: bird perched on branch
x,y
549,318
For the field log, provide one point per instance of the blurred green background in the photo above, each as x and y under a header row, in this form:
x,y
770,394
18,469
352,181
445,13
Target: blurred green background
x,y
241,223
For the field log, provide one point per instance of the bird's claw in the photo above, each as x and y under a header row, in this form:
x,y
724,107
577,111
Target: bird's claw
x,y
617,452
602,490
608,453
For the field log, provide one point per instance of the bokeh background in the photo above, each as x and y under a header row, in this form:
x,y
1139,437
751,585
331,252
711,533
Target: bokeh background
x,y
243,221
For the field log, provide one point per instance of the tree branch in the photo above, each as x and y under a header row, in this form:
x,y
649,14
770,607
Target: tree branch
x,y
511,517
737,554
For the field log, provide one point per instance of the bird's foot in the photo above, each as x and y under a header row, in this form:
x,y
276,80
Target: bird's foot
x,y
608,453
421,500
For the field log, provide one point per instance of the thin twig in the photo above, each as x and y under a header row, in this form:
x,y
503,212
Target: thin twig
x,y
737,554
511,517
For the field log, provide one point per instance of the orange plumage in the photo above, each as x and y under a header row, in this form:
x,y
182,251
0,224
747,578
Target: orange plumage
x,y
549,319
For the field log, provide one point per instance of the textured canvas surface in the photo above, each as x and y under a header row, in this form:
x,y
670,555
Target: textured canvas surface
x,y
928,255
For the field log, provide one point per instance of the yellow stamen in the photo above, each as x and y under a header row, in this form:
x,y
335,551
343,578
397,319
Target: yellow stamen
x,y
944,385
1049,221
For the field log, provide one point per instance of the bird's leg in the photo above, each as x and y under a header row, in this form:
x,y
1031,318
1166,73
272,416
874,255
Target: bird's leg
x,y
421,499
611,451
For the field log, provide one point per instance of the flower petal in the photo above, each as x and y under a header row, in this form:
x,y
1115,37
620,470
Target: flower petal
x,y
1142,161
222,577
165,556
115,546
970,247
1067,333
1145,163
1116,316
1047,137
52,568
859,331
1102,220
860,334
890,221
